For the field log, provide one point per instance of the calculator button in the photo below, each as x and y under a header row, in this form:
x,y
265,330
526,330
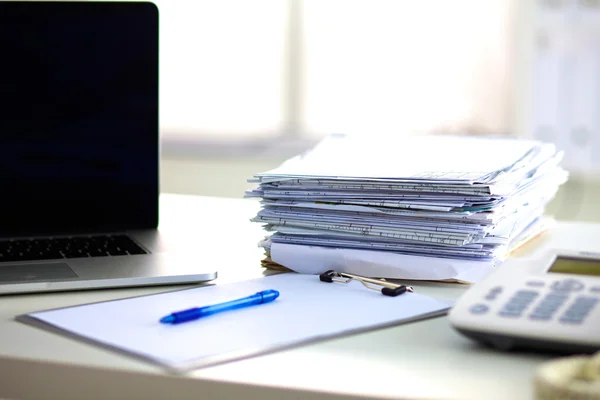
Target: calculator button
x,y
586,300
518,303
523,297
493,293
509,314
535,283
574,313
579,310
522,301
567,285
556,296
526,294
571,321
479,309
541,316
554,300
548,306
514,307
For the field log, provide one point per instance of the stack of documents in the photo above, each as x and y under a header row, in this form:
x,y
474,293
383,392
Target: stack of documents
x,y
412,207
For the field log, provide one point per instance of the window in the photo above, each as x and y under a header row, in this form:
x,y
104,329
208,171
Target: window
x,y
392,66
238,72
221,65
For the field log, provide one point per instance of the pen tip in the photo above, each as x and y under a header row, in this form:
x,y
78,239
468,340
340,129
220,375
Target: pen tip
x,y
169,319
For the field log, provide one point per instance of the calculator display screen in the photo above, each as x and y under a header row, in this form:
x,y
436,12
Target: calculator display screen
x,y
579,266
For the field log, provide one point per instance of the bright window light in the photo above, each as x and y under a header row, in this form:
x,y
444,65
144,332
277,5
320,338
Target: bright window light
x,y
238,69
221,65
380,66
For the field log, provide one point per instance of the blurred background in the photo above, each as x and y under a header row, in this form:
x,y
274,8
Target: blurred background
x,y
247,84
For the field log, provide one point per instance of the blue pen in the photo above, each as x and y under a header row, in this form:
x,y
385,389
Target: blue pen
x,y
266,296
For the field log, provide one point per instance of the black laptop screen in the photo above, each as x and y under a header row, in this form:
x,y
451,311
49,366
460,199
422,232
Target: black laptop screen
x,y
78,116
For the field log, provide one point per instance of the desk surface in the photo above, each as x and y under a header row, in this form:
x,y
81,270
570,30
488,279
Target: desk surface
x,y
426,359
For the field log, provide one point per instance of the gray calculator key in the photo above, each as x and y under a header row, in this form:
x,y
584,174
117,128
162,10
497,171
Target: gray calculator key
x,y
529,294
549,306
549,302
586,300
567,285
553,302
579,310
479,308
509,314
519,302
557,296
541,316
545,309
493,293
575,313
535,283
513,308
573,321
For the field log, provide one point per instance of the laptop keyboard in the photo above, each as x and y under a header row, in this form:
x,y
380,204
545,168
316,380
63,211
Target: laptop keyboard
x,y
68,247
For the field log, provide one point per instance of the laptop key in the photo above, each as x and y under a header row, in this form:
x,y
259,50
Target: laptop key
x,y
8,257
97,252
117,252
68,247
136,250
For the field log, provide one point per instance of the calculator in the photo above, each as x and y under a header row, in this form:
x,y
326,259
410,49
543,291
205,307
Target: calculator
x,y
551,302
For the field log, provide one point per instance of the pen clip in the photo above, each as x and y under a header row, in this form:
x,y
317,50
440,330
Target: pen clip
x,y
387,288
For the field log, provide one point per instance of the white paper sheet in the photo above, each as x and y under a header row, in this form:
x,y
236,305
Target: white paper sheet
x,y
316,259
306,310
404,248
428,157
384,264
371,185
291,204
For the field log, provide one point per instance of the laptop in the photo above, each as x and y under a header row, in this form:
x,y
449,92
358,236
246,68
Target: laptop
x,y
79,149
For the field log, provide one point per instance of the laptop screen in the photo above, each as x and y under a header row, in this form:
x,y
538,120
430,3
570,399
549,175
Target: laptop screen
x,y
79,145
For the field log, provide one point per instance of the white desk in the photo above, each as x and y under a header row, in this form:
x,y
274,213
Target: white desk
x,y
426,359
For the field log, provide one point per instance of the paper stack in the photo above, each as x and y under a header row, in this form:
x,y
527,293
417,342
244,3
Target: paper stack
x,y
411,207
